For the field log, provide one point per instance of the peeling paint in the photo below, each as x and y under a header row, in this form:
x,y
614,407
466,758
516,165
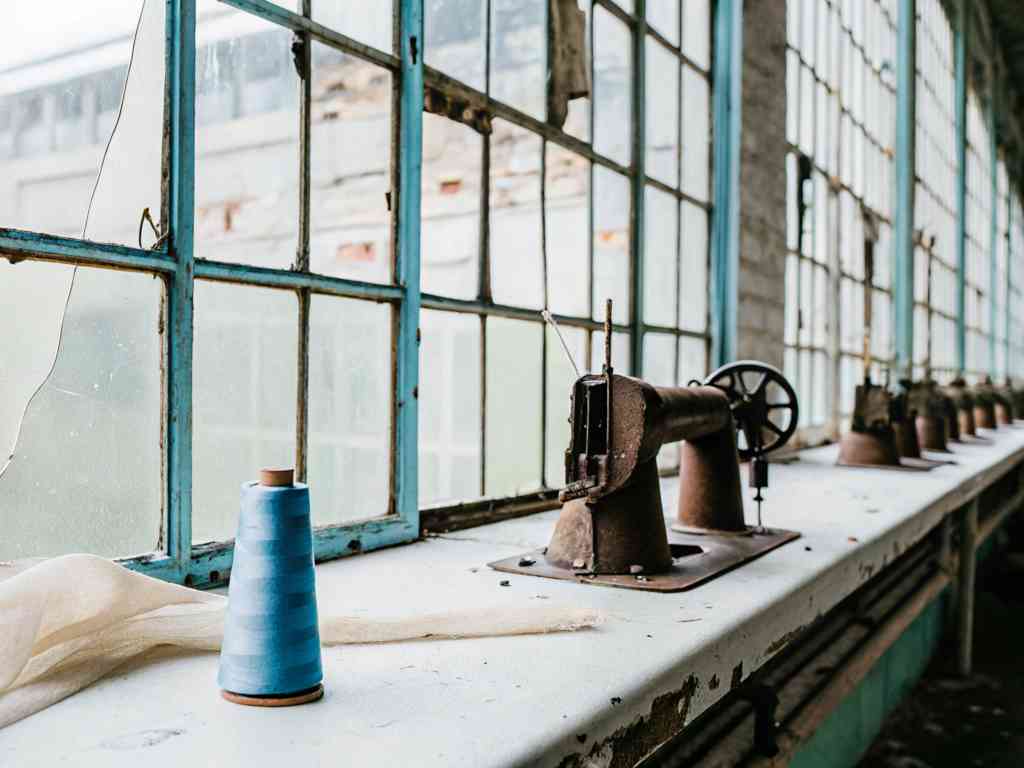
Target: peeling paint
x,y
737,677
631,743
783,641
713,683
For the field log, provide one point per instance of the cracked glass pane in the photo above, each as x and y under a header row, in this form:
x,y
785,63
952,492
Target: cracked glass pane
x,y
86,473
62,73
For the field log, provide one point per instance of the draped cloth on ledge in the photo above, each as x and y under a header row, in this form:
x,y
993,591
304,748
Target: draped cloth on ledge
x,y
69,621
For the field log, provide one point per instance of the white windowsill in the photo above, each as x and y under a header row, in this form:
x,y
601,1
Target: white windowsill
x,y
519,700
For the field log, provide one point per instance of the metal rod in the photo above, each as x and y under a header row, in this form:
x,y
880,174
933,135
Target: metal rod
x,y
17,244
965,590
903,234
638,192
960,32
305,59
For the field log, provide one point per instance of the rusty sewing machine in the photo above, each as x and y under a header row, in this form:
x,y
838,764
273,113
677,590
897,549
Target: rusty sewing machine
x,y
612,530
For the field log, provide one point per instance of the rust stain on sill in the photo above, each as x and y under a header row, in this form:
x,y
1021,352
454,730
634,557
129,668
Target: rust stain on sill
x,y
631,743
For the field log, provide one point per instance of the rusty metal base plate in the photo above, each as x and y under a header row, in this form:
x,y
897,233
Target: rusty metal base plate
x,y
696,558
905,465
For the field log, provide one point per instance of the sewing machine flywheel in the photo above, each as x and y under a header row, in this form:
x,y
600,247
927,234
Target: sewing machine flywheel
x,y
763,403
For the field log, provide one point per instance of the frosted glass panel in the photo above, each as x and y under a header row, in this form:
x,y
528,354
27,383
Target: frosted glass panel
x,y
449,405
368,21
513,407
350,366
561,377
244,399
85,471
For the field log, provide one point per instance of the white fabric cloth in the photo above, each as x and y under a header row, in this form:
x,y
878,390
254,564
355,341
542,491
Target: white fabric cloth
x,y
67,622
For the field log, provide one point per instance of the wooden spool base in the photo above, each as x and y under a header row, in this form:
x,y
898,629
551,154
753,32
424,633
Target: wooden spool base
x,y
295,699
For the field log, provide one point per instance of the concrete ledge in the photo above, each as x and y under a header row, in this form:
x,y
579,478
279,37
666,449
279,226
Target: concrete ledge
x,y
603,697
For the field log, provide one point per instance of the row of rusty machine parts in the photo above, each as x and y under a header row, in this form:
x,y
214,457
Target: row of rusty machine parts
x,y
612,530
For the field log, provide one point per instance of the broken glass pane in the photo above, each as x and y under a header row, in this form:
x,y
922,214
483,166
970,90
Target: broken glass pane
x,y
85,471
62,73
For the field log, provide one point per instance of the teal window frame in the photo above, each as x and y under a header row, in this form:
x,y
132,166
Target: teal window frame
x,y
173,259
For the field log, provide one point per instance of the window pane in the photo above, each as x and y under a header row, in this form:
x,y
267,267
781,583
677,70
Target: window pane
x,y
350,168
349,409
247,152
368,21
613,108
451,428
696,134
621,358
693,358
519,54
455,32
661,257
515,236
663,15
62,73
561,376
662,125
697,31
693,269
450,217
611,243
244,398
85,473
567,231
513,463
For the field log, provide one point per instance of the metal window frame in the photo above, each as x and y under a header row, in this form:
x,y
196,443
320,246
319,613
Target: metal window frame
x,y
174,260
835,273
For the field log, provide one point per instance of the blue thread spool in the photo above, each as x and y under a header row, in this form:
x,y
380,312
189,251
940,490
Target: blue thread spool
x,y
270,656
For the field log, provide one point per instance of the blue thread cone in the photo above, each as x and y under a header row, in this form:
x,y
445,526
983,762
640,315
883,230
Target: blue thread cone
x,y
271,639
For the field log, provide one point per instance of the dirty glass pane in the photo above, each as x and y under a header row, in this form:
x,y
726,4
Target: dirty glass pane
x,y
349,408
660,370
247,129
85,472
515,236
613,88
561,376
568,223
513,464
662,96
696,135
693,358
450,213
244,396
620,352
350,168
611,243
455,31
661,256
368,21
451,428
693,268
697,31
663,15
62,72
519,54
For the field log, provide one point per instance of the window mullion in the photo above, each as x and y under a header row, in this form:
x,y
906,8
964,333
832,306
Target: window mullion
x,y
304,59
181,206
639,174
408,262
